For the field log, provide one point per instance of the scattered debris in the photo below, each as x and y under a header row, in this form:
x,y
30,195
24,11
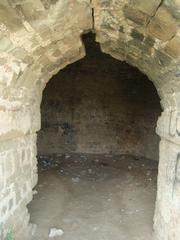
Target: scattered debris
x,y
76,179
84,157
45,163
54,232
33,228
35,192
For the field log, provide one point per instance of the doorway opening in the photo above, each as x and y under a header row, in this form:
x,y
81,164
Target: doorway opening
x,y
97,151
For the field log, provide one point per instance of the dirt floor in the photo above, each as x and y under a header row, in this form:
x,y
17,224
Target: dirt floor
x,y
95,197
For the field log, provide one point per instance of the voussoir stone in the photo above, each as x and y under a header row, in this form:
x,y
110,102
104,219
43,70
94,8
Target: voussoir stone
x,y
173,47
135,15
9,18
146,6
162,26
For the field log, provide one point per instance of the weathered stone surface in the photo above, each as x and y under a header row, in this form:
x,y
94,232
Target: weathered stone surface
x,y
135,15
167,205
162,26
149,41
28,28
29,50
146,6
174,7
173,47
5,44
137,35
31,11
162,58
9,18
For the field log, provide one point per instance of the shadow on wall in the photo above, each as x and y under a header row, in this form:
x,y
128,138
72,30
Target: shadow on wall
x,y
99,105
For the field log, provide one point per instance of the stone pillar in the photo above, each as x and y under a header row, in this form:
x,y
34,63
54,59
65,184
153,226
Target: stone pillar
x,y
167,212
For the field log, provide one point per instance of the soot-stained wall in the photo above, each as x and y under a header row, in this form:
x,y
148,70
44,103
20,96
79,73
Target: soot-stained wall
x,y
99,105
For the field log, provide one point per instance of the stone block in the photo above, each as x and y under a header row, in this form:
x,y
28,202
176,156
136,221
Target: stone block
x,y
174,7
53,53
44,60
135,15
162,26
105,3
146,6
173,47
149,41
5,44
9,72
19,53
13,124
38,52
31,10
16,2
84,15
162,58
46,3
45,33
9,18
134,53
137,35
9,164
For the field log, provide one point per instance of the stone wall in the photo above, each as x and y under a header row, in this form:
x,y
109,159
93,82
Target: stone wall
x,y
18,177
38,38
99,105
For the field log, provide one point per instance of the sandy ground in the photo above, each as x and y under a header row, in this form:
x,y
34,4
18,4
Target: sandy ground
x,y
95,197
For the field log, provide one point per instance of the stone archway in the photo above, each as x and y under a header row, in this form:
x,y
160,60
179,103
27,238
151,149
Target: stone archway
x,y
40,38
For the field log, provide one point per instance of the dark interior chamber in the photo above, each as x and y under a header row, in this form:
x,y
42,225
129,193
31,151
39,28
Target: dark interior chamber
x,y
99,105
